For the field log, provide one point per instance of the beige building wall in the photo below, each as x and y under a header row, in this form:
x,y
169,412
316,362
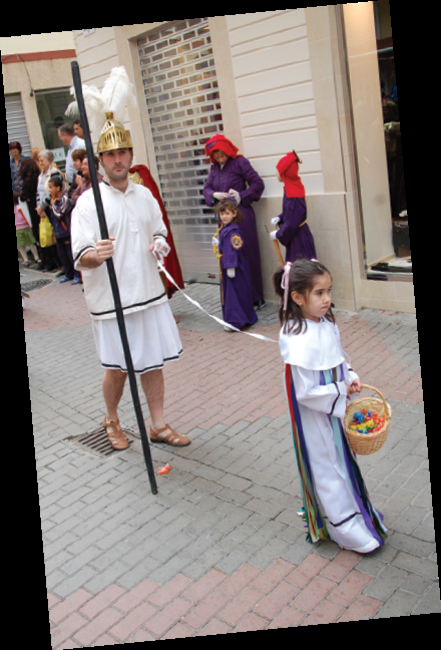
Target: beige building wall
x,y
273,80
97,54
30,43
104,49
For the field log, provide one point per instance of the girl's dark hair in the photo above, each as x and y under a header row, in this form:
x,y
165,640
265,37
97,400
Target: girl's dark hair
x,y
301,279
15,197
56,180
29,168
230,204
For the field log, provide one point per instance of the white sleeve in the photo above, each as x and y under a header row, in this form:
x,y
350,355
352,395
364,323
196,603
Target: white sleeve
x,y
329,399
83,234
158,225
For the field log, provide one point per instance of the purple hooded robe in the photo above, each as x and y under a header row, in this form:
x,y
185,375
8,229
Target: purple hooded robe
x,y
298,240
239,175
237,306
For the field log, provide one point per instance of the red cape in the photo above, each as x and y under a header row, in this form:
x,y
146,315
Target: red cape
x,y
171,262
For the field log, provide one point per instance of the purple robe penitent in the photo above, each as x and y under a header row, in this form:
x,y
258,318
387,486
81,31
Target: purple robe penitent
x,y
236,293
239,175
297,239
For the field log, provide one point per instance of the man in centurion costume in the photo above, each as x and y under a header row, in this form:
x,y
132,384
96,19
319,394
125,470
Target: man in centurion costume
x,y
136,237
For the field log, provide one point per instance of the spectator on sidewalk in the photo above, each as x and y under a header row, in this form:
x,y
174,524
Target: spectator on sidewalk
x,y
48,168
66,133
86,182
78,128
24,233
29,174
15,159
61,209
77,158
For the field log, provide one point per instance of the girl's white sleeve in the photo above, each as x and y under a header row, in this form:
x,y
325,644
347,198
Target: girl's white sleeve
x,y
349,373
329,399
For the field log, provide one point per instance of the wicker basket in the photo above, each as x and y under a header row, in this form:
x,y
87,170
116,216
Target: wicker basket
x,y
368,443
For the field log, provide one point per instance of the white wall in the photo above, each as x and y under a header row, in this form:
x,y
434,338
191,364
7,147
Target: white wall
x,y
273,80
97,54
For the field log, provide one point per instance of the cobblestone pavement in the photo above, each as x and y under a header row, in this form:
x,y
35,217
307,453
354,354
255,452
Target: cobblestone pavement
x,y
219,549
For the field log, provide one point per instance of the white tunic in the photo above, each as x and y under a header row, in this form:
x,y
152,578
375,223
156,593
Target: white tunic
x,y
133,218
308,354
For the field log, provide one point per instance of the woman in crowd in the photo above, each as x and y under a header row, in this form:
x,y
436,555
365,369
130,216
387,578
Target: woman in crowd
x,y
86,182
35,153
16,158
29,173
231,175
78,156
46,158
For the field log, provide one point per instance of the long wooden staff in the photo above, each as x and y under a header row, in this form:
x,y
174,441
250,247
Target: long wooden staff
x,y
112,276
218,255
277,247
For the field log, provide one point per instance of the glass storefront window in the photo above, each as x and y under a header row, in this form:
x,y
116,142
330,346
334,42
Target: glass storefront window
x,y
392,128
377,129
51,106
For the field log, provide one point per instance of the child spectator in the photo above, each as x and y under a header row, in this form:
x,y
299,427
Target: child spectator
x,y
61,209
25,236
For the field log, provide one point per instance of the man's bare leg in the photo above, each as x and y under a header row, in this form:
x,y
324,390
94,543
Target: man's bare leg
x,y
113,387
153,385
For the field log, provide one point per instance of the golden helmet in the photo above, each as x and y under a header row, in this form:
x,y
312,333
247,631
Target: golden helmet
x,y
113,136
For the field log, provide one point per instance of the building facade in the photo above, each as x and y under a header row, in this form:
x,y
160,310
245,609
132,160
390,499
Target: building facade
x,y
307,79
313,79
36,81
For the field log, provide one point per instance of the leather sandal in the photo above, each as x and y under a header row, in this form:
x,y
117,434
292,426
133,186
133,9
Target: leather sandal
x,y
116,435
172,438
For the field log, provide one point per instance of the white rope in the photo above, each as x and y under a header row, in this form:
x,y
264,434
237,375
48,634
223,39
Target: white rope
x,y
218,320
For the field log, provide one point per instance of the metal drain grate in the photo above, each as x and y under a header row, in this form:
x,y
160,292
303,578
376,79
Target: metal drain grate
x,y
97,441
35,284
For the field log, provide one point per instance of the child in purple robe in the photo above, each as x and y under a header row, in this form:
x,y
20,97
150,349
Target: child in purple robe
x,y
236,290
293,231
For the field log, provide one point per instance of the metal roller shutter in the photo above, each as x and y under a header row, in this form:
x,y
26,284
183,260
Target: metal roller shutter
x,y
182,96
16,123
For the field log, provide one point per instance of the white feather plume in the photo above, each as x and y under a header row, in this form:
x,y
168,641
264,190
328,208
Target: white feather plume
x,y
116,94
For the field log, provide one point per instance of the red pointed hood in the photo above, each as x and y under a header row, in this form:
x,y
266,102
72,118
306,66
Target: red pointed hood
x,y
219,141
288,168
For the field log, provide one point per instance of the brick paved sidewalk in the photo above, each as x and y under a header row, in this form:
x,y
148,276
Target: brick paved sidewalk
x,y
220,548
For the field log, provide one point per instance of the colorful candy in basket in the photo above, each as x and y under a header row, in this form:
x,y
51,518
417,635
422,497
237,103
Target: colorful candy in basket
x,y
367,422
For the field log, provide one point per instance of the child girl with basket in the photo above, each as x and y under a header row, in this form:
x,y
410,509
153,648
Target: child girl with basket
x,y
236,289
318,382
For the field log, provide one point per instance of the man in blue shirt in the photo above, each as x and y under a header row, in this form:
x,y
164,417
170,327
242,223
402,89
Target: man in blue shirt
x,y
66,133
